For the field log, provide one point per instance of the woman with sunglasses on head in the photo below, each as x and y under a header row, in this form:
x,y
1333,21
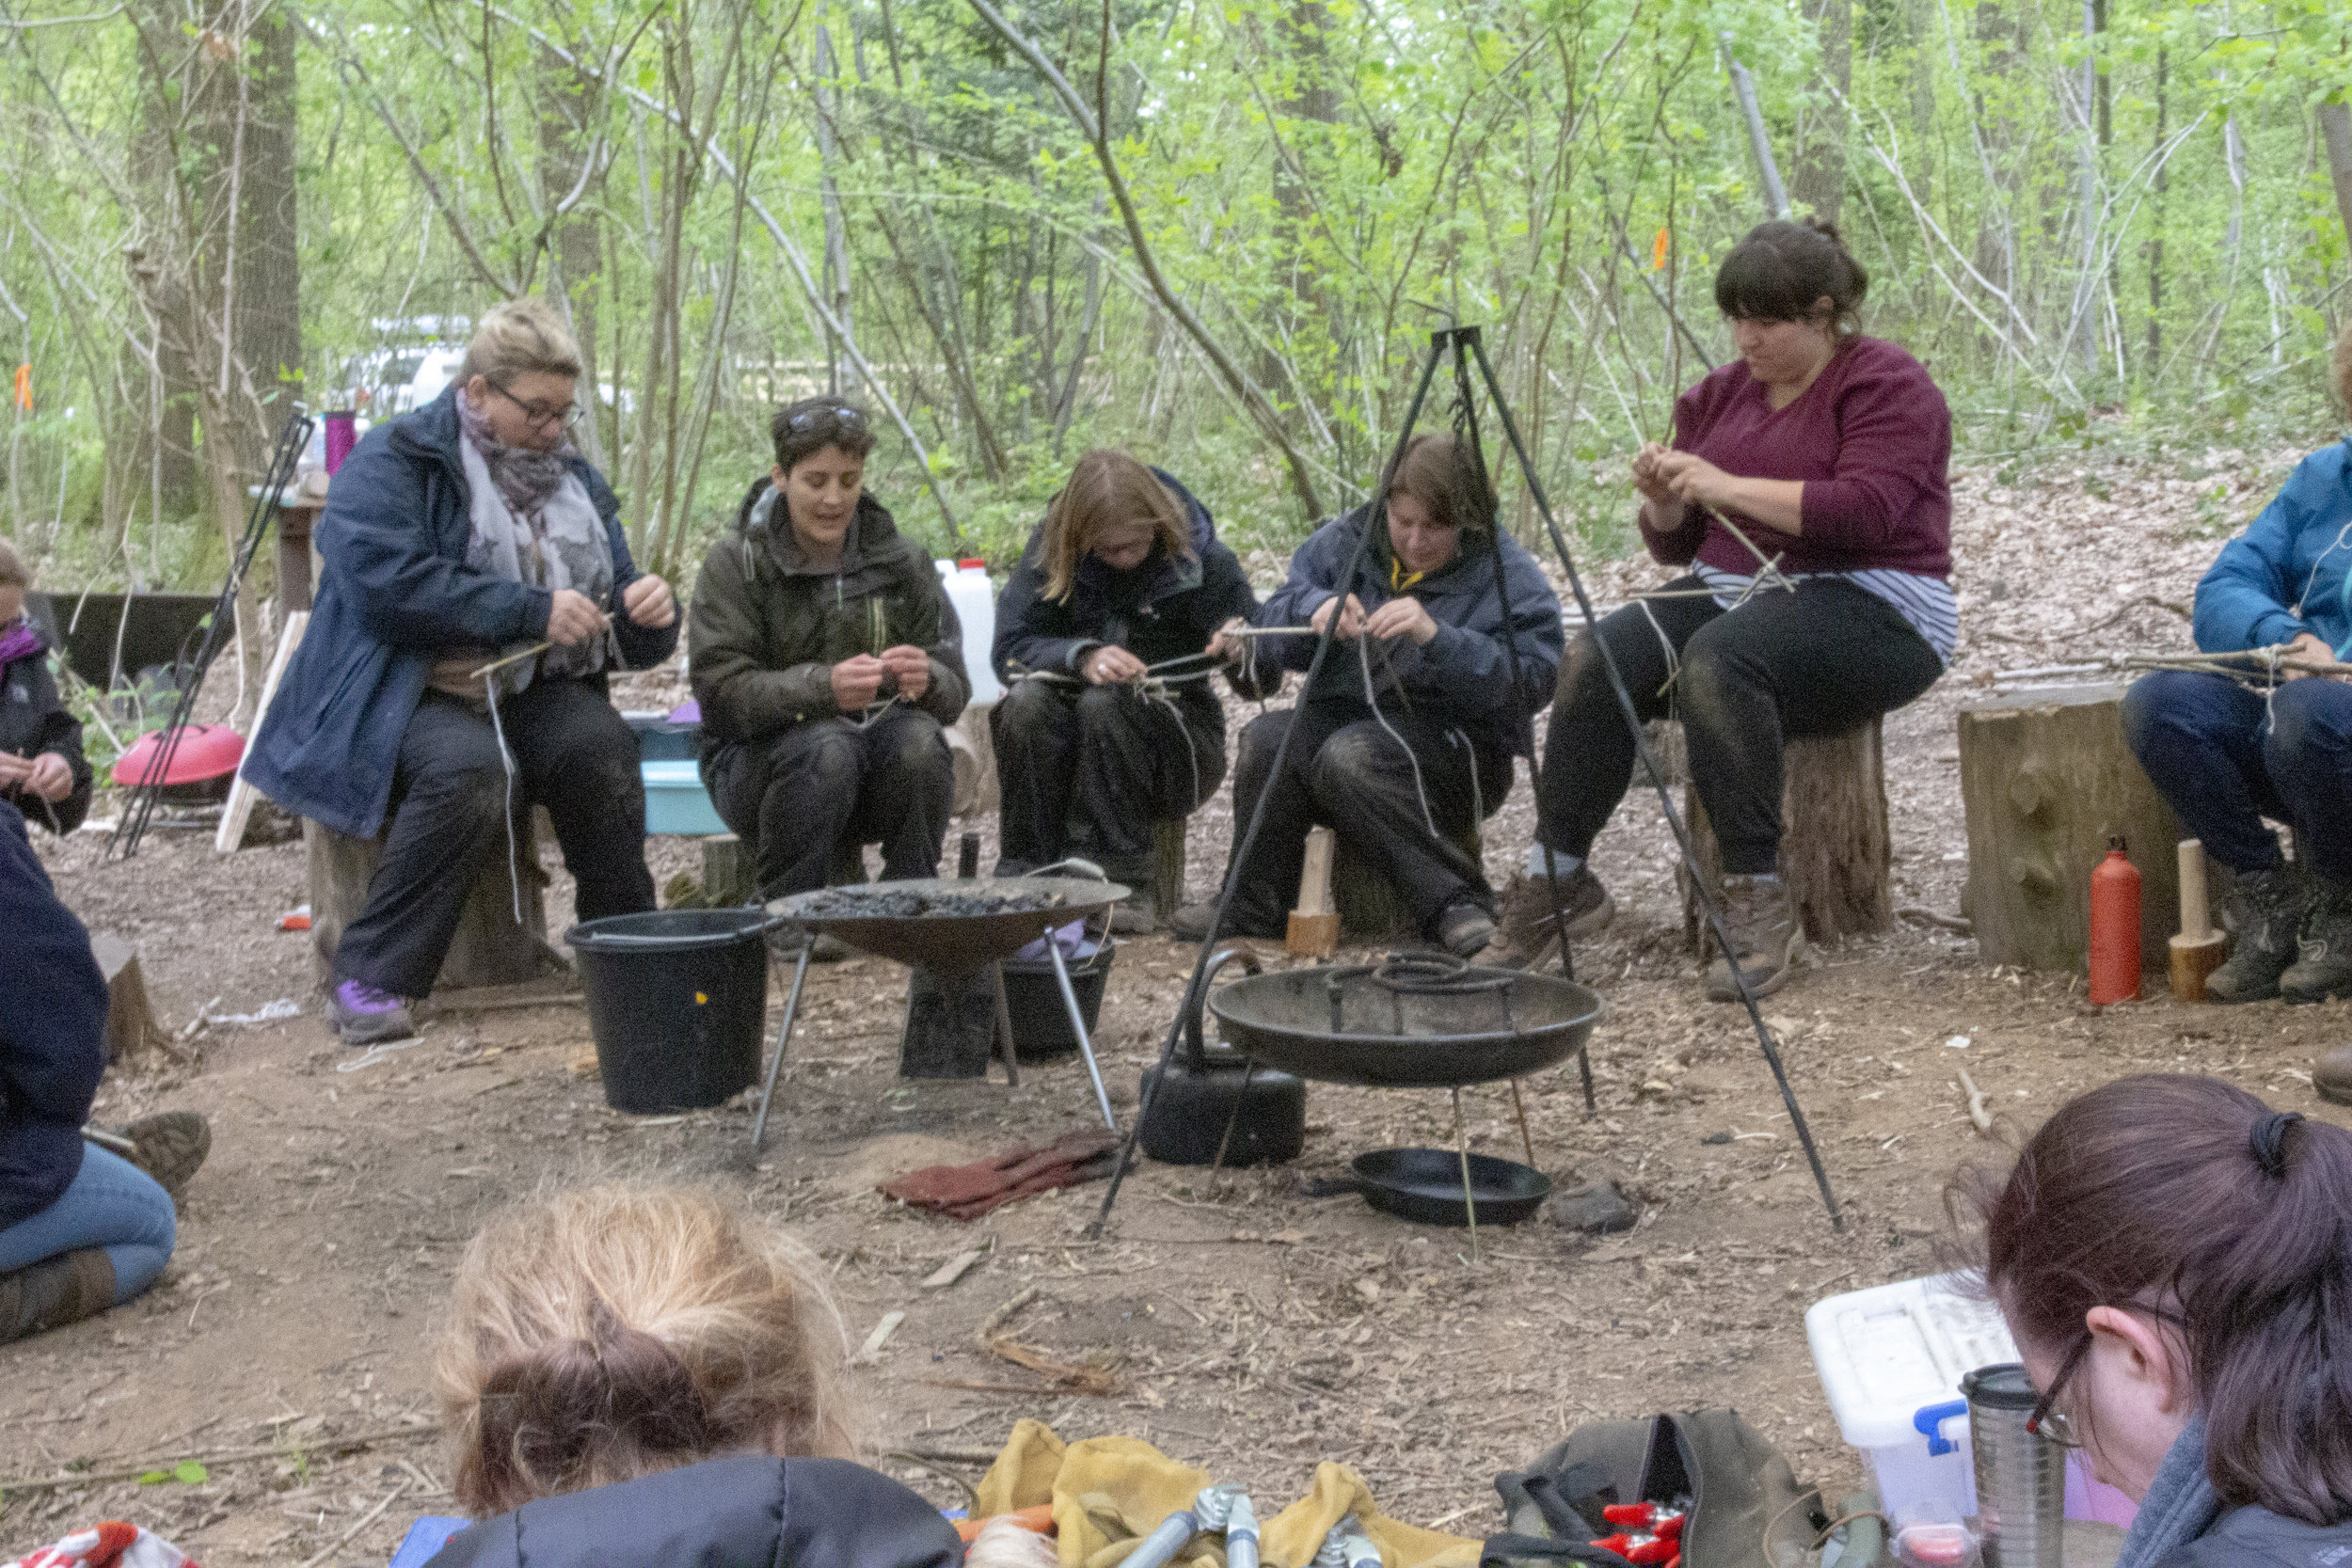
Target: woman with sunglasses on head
x,y
2175,1261
827,661
1108,634
1822,453
472,557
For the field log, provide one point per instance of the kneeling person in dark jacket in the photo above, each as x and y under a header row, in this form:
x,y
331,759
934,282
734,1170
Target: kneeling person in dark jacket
x,y
652,1376
826,658
1405,735
1125,575
473,557
42,770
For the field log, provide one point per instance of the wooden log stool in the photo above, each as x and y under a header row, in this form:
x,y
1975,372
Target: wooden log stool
x,y
489,949
2046,779
1168,868
1370,905
1836,856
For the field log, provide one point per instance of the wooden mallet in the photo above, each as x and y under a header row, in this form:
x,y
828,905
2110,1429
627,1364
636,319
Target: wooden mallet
x,y
1315,926
2198,950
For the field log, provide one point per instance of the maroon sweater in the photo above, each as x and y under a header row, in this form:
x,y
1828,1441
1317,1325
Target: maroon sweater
x,y
1871,438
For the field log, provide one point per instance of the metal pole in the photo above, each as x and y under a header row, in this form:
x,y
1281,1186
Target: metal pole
x,y
1078,1027
1658,781
791,1006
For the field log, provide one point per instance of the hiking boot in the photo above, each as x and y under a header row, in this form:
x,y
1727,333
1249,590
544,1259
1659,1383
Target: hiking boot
x,y
2331,1075
364,1015
2265,910
1191,923
1465,928
1135,915
2323,952
1766,938
1525,937
169,1146
54,1291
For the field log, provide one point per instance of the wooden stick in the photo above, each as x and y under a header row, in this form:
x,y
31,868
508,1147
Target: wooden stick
x,y
533,652
369,1518
239,811
219,1456
996,1320
1976,1105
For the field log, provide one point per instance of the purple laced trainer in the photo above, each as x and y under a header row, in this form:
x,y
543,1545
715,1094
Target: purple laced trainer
x,y
366,1016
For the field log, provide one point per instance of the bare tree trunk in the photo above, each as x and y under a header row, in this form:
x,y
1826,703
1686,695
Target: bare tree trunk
x,y
836,269
2155,231
2335,127
1820,181
570,154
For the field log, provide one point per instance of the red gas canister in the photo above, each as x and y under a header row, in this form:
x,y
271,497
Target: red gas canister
x,y
2113,929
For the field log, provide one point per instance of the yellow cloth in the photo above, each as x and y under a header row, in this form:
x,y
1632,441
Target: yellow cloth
x,y
1400,579
1108,1493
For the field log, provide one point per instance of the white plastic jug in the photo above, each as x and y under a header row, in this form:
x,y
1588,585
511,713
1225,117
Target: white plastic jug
x,y
975,599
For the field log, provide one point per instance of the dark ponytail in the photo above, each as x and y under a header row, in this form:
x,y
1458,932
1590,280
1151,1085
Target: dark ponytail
x,y
1780,270
2229,1223
578,1413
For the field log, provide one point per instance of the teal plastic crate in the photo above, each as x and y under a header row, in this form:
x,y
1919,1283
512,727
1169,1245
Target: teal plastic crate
x,y
675,801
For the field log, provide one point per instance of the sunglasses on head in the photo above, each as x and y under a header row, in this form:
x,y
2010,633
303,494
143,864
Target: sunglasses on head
x,y
838,413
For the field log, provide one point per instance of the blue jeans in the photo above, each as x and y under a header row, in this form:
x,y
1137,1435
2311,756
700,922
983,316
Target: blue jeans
x,y
112,1204
2226,757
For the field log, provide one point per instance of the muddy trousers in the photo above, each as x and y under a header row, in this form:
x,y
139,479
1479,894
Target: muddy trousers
x,y
574,755
1087,771
1824,659
1347,773
827,782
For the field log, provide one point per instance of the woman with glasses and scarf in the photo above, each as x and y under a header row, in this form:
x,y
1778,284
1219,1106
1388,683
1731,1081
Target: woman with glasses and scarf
x,y
2175,1261
477,594
827,661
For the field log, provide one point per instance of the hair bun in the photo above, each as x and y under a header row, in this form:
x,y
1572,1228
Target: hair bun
x,y
2267,1141
1827,229
552,1409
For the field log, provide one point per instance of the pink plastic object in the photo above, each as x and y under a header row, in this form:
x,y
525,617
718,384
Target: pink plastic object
x,y
343,434
205,751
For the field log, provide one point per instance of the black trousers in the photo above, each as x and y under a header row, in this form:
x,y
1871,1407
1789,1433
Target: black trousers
x,y
1347,773
1086,770
574,755
1822,661
824,782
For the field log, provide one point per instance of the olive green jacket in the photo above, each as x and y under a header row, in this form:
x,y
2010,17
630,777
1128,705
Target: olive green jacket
x,y
765,627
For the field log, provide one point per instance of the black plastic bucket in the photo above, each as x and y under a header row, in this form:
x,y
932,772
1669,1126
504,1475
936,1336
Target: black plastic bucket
x,y
676,1000
1040,1020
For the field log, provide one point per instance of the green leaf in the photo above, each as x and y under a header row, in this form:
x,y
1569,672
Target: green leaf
x,y
154,1477
188,1472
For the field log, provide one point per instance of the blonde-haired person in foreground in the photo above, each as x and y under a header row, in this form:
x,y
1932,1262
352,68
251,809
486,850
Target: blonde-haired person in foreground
x,y
646,1376
470,534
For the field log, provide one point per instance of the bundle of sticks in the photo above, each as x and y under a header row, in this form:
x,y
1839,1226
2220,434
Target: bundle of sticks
x,y
2256,666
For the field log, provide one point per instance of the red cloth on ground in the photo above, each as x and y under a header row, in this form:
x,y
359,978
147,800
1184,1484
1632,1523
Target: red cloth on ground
x,y
967,1192
1872,439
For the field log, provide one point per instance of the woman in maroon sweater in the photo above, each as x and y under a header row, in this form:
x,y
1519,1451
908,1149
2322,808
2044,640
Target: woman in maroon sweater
x,y
1823,452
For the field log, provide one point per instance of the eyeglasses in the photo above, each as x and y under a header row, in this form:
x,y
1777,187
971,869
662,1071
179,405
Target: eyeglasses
x,y
838,413
538,414
2049,1421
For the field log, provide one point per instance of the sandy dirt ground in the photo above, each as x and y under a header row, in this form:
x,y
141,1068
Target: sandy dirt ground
x,y
1250,1327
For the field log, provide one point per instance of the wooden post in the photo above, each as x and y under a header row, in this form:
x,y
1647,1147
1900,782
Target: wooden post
x,y
2047,780
1837,855
2198,950
489,948
729,877
298,514
1168,868
1314,925
130,1017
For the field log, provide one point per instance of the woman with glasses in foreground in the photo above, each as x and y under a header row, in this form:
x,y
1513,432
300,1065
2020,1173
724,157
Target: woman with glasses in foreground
x,y
2173,1259
472,558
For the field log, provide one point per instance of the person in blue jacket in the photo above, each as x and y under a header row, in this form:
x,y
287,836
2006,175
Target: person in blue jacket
x,y
81,1229
1125,573
1405,735
473,556
2227,753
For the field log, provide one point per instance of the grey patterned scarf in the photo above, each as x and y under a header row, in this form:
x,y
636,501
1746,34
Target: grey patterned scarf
x,y
533,523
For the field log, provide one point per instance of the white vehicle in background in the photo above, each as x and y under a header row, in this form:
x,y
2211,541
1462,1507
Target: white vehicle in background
x,y
390,381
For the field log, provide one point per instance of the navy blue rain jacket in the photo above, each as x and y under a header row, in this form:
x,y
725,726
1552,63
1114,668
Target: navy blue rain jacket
x,y
1464,675
53,1031
395,594
749,1511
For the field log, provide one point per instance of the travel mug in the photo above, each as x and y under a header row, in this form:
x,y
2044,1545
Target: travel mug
x,y
2020,1476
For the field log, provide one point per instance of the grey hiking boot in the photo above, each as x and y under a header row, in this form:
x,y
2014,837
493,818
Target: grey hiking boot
x,y
2266,911
1766,938
1465,928
1524,937
170,1145
2323,952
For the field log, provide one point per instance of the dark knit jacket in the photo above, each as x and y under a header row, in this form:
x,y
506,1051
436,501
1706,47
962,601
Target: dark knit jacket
x,y
33,719
53,1031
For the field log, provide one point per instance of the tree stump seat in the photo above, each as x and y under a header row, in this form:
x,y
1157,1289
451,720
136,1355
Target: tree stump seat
x,y
489,949
1836,853
1371,907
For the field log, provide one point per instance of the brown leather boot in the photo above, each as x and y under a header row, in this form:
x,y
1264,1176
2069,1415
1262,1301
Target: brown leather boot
x,y
2331,1075
54,1291
1766,938
1525,934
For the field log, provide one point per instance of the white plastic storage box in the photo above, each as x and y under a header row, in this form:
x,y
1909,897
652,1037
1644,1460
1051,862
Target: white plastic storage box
x,y
1890,1360
675,801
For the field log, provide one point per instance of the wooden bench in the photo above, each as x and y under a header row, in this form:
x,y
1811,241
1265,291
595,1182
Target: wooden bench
x,y
1836,854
